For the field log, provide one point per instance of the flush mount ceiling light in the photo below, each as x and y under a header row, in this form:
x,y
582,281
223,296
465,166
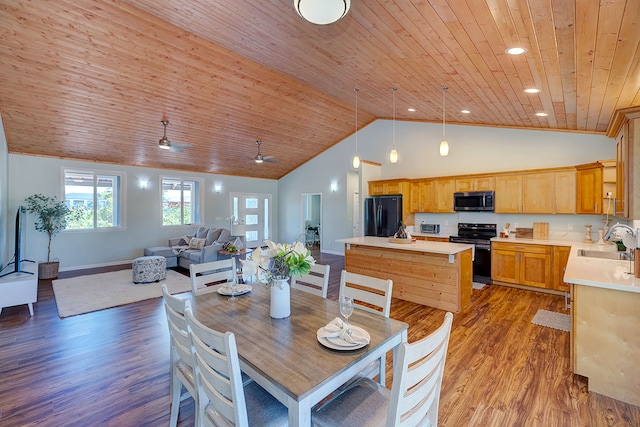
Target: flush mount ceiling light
x,y
516,50
444,145
322,12
393,155
532,90
356,159
541,114
465,111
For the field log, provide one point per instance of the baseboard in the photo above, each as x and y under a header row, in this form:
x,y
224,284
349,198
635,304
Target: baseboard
x,y
106,264
332,252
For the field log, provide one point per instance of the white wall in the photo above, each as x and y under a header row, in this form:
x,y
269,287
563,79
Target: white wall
x,y
80,249
473,149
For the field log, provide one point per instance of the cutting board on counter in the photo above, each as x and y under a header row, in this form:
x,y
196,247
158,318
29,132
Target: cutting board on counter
x,y
524,233
541,230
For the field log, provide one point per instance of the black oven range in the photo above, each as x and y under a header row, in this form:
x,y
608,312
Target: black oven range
x,y
479,235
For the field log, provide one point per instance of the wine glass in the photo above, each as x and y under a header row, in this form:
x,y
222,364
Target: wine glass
x,y
346,309
233,285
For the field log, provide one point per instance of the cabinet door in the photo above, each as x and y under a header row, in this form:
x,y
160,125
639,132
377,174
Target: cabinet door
x,y
622,155
508,193
485,183
566,192
504,266
428,193
416,198
376,188
535,269
464,184
444,189
537,193
560,258
589,190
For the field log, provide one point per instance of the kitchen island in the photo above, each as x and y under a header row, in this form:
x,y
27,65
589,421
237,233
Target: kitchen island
x,y
605,318
435,274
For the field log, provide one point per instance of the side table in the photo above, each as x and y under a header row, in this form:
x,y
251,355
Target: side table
x,y
241,254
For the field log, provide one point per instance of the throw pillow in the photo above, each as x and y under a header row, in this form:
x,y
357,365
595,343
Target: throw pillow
x,y
225,236
202,232
197,243
213,235
187,239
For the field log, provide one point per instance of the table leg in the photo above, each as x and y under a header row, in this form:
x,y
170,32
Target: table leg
x,y
299,413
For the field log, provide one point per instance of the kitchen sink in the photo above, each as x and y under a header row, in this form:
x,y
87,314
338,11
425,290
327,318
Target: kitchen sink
x,y
604,254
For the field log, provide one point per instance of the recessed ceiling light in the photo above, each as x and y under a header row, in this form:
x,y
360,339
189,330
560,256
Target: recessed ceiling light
x,y
516,50
465,111
532,90
413,110
541,114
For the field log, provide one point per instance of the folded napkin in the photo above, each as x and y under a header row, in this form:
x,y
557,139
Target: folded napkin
x,y
337,329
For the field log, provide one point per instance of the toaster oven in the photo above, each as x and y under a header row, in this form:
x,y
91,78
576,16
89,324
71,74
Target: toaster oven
x,y
430,228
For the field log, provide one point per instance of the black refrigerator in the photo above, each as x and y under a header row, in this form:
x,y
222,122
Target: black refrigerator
x,y
382,215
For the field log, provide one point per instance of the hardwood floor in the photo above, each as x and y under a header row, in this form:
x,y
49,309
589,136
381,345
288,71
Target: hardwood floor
x,y
111,368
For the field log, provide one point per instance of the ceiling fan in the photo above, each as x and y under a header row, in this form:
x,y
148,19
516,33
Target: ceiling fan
x,y
165,144
259,158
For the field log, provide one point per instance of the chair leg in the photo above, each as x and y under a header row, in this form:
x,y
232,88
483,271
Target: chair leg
x,y
176,391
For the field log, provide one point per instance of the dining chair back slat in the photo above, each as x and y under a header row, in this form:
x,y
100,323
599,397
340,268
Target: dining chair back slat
x,y
370,290
211,272
316,282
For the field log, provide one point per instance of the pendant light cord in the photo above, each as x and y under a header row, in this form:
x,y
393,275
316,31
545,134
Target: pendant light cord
x,y
444,91
394,116
356,90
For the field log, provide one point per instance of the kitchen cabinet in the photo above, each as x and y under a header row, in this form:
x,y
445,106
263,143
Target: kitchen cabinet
x,y
417,200
438,195
393,187
560,258
625,128
521,264
480,183
432,238
589,188
537,193
508,194
565,192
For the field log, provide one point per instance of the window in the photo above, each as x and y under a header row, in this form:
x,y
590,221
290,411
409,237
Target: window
x,y
181,201
95,199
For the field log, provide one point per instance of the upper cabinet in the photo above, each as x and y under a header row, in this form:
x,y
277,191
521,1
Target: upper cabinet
x,y
395,186
479,183
508,194
433,195
566,192
589,188
625,128
542,192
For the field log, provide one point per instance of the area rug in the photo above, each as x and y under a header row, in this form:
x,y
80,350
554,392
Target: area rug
x,y
551,319
95,292
478,285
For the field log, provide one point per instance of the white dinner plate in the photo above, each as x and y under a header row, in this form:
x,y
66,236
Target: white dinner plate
x,y
337,343
240,290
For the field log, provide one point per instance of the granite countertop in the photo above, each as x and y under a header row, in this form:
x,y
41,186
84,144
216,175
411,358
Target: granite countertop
x,y
417,246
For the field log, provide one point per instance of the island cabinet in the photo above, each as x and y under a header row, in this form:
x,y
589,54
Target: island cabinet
x,y
432,238
478,183
521,264
434,274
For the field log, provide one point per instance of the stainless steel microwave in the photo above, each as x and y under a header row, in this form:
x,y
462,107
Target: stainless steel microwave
x,y
481,201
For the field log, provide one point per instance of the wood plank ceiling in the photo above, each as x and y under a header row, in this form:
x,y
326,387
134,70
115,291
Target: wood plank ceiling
x,y
92,79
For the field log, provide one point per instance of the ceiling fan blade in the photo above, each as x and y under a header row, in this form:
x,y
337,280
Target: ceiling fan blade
x,y
267,160
181,144
175,149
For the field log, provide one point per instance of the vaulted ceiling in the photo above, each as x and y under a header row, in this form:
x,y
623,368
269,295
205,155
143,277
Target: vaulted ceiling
x,y
92,79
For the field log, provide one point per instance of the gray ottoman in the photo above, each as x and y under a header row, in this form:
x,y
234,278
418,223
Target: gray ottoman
x,y
149,269
165,251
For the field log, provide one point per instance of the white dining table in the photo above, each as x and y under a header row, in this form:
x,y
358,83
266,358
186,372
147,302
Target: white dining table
x,y
284,356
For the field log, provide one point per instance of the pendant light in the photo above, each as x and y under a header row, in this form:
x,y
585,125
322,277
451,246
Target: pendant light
x,y
393,155
444,145
322,12
356,158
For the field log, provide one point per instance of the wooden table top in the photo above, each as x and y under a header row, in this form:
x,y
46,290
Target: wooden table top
x,y
287,351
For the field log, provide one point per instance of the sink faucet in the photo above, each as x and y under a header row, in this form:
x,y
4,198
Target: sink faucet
x,y
618,225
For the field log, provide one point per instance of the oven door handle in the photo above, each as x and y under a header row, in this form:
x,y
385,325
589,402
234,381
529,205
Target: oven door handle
x,y
484,247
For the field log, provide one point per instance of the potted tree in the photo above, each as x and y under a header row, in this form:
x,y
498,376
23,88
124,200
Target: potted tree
x,y
51,217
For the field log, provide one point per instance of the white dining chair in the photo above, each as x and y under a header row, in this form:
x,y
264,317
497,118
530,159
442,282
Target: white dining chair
x,y
415,394
222,398
373,295
181,357
316,282
211,272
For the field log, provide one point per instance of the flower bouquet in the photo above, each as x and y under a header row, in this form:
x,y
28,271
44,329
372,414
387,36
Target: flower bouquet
x,y
277,263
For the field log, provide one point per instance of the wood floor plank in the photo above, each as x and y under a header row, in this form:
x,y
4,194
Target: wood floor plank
x,y
111,368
